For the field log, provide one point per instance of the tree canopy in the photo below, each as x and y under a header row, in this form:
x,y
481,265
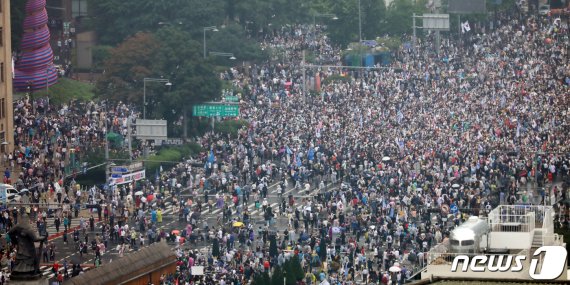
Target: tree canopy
x,y
17,14
116,20
171,54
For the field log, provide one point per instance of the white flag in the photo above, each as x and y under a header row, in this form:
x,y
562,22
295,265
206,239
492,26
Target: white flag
x,y
465,27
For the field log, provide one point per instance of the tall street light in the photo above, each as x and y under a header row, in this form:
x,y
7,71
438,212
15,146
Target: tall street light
x,y
212,28
359,23
224,54
167,81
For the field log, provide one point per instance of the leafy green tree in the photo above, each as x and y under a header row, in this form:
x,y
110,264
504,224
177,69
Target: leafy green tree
x,y
193,79
261,279
100,55
216,248
399,16
293,270
344,30
17,14
277,276
257,279
373,18
115,20
273,246
233,39
289,273
169,53
296,268
347,28
323,249
126,67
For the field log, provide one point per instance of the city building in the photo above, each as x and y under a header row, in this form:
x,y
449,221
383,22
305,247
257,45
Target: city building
x,y
6,110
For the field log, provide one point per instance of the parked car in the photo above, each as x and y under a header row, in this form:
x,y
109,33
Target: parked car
x,y
12,194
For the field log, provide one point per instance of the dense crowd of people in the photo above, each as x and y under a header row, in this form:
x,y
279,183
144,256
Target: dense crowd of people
x,y
50,141
378,158
482,123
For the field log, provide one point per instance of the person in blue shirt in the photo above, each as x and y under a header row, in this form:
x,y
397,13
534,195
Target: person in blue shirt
x,y
153,217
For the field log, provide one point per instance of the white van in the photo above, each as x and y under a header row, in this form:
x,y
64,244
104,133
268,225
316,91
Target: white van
x,y
544,10
12,194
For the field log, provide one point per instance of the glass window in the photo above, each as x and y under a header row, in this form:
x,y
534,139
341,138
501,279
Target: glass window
x,y
454,242
468,242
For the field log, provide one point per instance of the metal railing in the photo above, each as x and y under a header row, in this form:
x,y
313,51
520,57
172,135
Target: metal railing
x,y
513,223
549,240
520,218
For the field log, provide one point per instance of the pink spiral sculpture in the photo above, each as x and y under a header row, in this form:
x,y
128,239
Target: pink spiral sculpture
x,y
34,67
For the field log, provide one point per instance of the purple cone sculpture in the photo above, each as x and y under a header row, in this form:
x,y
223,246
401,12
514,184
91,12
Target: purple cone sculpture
x,y
34,67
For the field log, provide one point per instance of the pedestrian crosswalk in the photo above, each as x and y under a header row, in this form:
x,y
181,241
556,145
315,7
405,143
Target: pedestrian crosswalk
x,y
74,223
47,271
253,210
206,212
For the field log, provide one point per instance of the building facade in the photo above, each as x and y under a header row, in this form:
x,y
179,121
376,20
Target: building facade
x,y
6,104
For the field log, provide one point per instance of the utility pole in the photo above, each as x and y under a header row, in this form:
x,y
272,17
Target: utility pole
x,y
459,20
437,35
304,78
47,91
129,122
144,95
414,26
106,143
359,23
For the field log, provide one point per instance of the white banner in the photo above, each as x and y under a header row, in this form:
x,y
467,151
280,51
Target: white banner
x,y
465,27
197,270
128,178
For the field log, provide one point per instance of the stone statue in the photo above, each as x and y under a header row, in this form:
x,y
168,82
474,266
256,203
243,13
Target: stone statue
x,y
27,264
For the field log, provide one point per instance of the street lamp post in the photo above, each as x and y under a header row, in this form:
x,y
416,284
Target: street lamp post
x,y
212,28
223,54
47,91
145,80
359,23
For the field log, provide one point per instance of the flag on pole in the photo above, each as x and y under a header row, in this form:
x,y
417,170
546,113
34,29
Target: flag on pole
x,y
465,27
212,157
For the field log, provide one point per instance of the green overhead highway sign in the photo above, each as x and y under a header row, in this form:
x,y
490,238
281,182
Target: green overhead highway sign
x,y
215,110
232,99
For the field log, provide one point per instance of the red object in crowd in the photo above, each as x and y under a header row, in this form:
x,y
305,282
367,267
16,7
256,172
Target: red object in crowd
x,y
550,177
